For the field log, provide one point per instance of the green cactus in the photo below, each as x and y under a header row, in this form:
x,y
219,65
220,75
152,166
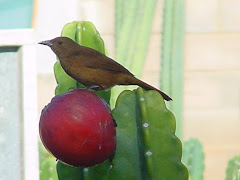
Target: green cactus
x,y
63,80
171,77
146,131
133,25
66,172
147,147
233,168
193,158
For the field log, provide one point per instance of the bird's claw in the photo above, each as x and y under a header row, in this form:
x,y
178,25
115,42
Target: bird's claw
x,y
91,88
72,88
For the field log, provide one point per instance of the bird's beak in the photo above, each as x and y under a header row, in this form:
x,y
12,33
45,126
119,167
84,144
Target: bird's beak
x,y
48,43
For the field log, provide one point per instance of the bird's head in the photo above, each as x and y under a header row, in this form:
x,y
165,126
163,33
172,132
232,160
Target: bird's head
x,y
61,46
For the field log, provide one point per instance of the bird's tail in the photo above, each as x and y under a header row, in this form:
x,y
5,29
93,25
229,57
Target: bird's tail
x,y
149,87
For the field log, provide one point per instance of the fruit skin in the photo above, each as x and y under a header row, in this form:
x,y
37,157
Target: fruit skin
x,y
78,129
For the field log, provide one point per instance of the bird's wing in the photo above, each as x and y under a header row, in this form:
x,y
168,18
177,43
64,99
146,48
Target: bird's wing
x,y
100,61
111,66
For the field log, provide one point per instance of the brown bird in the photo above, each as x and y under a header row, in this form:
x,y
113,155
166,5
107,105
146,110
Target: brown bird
x,y
92,68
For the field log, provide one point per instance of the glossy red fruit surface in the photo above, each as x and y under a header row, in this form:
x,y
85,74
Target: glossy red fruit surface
x,y
78,129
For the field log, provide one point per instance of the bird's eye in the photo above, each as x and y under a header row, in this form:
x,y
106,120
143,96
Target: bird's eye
x,y
60,42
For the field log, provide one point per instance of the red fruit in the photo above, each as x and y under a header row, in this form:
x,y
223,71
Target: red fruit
x,y
78,129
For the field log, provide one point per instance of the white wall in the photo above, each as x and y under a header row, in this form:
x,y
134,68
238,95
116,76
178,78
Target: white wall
x,y
51,17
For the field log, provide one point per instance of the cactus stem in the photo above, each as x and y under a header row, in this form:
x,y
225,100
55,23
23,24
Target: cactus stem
x,y
143,125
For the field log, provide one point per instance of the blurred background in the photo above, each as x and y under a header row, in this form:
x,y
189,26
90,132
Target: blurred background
x,y
205,45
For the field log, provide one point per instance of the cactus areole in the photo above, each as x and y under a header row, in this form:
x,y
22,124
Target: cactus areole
x,y
78,129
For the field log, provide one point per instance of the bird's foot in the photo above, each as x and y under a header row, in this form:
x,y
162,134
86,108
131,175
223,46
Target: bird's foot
x,y
91,88
73,88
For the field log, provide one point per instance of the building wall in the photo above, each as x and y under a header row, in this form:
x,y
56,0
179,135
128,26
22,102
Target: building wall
x,y
211,76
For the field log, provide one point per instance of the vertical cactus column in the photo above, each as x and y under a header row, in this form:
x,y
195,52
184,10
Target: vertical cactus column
x,y
147,145
133,24
171,77
193,158
233,168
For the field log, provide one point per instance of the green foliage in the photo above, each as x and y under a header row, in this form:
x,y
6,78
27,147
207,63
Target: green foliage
x,y
193,158
233,169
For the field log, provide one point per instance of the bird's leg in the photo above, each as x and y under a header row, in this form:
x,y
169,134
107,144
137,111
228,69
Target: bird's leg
x,y
93,88
73,88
